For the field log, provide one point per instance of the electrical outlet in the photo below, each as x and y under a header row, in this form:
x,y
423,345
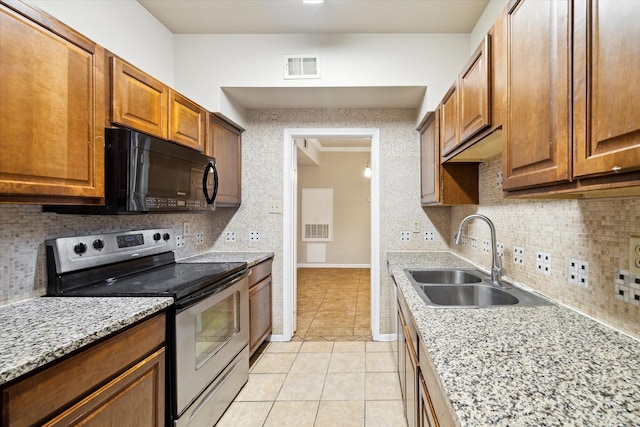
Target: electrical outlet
x,y
572,271
499,179
200,238
405,236
416,226
186,229
485,246
254,236
230,236
474,244
180,242
634,289
518,255
543,263
464,240
275,207
622,286
583,274
500,249
429,236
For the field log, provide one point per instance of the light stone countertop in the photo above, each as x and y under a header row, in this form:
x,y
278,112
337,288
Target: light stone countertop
x,y
251,258
524,366
37,331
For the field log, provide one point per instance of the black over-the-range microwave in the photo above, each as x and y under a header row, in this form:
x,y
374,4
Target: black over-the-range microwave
x,y
148,174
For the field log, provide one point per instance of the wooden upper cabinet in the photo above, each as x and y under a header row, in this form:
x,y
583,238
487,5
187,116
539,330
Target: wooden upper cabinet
x,y
606,108
446,184
537,145
225,144
138,101
449,126
430,159
51,110
187,121
474,92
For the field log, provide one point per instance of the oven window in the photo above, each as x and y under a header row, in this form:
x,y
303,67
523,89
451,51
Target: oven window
x,y
215,326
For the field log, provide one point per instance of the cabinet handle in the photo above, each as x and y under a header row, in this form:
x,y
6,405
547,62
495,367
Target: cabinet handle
x,y
616,169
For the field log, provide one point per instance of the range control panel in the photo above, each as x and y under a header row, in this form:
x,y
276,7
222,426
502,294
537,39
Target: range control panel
x,y
76,253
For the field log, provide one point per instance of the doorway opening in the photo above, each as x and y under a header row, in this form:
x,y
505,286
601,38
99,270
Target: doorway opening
x,y
290,217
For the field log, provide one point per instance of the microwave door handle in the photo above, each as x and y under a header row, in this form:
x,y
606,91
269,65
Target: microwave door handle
x,y
205,190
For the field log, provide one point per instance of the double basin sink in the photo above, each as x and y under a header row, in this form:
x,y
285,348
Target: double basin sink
x,y
467,288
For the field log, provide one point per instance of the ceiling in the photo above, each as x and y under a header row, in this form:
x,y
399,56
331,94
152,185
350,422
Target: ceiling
x,y
332,16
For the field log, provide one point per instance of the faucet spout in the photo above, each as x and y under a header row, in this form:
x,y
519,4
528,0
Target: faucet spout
x,y
496,268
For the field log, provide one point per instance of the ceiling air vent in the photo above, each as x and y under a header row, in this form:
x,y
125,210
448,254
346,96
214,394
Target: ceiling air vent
x,y
301,67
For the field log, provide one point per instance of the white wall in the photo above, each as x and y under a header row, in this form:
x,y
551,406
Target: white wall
x,y
488,17
343,172
205,63
122,26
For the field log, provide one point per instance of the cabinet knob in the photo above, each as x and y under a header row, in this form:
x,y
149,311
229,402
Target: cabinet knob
x,y
616,169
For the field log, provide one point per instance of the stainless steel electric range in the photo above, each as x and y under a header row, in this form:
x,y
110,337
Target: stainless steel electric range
x,y
208,327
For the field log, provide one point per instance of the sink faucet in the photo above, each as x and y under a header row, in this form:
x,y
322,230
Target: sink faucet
x,y
496,269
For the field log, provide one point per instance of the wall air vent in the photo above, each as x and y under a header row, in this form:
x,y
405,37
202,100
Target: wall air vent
x,y
301,67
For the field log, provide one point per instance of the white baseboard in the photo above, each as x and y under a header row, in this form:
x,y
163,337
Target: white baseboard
x,y
385,337
279,338
312,265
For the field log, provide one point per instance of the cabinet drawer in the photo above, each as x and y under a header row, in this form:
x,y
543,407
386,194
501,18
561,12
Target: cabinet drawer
x,y
260,271
33,399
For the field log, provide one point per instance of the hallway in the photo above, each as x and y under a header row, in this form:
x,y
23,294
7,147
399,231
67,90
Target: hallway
x,y
334,304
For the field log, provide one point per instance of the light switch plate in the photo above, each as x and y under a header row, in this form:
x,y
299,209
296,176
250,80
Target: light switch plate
x,y
634,255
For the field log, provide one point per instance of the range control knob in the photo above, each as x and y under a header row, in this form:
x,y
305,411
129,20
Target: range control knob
x,y
166,236
80,248
157,237
98,244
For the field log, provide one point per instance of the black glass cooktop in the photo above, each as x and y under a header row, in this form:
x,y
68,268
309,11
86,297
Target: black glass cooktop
x,y
176,280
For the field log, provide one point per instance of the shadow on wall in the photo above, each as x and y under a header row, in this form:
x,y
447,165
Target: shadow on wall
x,y
221,219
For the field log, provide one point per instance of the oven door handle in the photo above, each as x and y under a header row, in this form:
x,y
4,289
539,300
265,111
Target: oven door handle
x,y
210,166
190,300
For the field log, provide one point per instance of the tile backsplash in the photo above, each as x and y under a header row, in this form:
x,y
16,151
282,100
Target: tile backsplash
x,y
593,233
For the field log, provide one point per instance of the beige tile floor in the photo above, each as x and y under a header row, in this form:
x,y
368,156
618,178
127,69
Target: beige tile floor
x,y
318,384
333,304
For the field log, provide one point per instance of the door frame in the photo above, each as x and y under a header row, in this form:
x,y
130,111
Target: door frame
x,y
290,225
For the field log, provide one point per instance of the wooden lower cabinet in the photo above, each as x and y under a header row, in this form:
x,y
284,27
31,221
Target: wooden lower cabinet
x,y
260,284
119,381
407,364
425,404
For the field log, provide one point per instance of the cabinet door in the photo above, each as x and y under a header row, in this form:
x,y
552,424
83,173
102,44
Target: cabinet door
x,y
474,92
449,137
187,122
135,398
138,101
430,161
427,416
537,144
606,109
402,350
225,144
51,111
259,313
411,367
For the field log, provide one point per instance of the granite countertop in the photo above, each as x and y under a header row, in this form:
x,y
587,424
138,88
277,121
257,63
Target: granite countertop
x,y
251,258
37,331
514,366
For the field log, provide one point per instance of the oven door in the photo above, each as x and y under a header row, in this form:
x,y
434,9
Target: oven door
x,y
209,335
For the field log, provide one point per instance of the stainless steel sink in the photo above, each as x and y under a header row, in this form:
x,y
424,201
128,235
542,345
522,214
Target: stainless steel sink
x,y
466,288
442,277
468,295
